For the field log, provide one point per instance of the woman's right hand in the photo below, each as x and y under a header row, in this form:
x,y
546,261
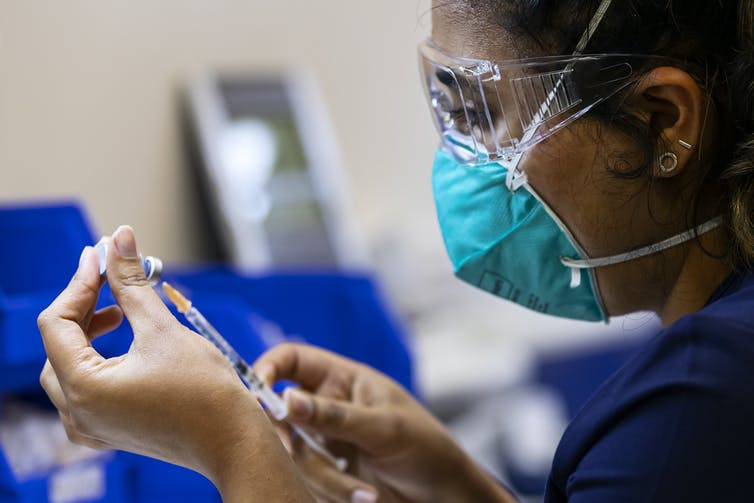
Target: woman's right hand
x,y
397,451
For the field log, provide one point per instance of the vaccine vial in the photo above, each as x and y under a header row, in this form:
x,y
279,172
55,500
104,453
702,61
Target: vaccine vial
x,y
152,265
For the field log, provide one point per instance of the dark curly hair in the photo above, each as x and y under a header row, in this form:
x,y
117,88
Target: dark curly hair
x,y
714,41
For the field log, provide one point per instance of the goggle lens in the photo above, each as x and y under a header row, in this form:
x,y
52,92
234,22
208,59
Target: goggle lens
x,y
487,112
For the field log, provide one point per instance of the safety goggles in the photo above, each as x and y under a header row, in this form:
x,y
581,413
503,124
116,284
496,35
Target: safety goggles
x,y
487,111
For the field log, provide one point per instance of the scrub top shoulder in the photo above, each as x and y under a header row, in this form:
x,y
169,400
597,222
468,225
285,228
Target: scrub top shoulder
x,y
675,423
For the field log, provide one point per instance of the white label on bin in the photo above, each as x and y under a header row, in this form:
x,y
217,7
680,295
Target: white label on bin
x,y
34,442
77,483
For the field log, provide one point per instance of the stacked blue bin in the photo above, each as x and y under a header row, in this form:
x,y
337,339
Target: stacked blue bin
x,y
39,251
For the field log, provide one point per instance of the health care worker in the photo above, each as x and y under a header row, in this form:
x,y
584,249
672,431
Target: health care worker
x,y
597,158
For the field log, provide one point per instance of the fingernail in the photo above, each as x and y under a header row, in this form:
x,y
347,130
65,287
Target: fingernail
x,y
84,254
125,242
299,404
86,270
363,496
101,249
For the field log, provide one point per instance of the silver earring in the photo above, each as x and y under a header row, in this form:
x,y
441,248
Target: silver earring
x,y
673,162
685,144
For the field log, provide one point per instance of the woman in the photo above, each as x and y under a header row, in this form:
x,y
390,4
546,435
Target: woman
x,y
614,172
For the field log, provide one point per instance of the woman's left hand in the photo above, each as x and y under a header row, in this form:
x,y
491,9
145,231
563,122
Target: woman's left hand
x,y
172,396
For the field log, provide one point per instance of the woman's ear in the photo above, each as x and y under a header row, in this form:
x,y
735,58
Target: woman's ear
x,y
675,108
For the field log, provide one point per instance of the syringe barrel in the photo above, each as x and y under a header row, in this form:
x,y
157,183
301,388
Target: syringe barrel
x,y
275,404
152,265
209,332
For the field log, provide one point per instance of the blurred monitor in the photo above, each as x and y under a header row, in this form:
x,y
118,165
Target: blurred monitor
x,y
270,173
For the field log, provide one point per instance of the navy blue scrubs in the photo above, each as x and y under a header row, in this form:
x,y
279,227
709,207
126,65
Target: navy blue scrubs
x,y
676,423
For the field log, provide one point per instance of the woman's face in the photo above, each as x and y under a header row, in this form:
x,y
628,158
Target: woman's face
x,y
572,172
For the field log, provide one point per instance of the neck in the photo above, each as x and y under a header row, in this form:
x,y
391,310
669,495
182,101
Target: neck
x,y
699,277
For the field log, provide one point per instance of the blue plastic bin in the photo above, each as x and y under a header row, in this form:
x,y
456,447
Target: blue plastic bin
x,y
39,252
343,313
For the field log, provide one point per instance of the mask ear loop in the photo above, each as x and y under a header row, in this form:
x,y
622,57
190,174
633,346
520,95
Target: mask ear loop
x,y
515,178
577,265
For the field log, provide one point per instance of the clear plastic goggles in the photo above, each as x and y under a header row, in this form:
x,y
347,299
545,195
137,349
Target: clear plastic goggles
x,y
486,111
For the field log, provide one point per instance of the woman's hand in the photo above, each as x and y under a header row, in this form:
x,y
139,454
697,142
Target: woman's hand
x,y
173,396
396,449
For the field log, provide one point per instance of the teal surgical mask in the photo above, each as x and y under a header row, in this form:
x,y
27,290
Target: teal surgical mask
x,y
503,238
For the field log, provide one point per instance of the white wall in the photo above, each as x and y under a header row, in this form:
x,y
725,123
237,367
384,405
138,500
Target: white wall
x,y
88,102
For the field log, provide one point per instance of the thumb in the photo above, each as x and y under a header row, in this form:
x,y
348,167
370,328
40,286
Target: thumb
x,y
364,426
125,273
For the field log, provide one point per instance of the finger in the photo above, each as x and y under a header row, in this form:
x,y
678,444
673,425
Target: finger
x,y
319,497
332,483
283,431
105,320
51,385
60,324
366,427
306,365
90,313
129,284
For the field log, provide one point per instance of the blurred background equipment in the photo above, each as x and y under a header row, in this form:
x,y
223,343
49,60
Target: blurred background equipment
x,y
268,168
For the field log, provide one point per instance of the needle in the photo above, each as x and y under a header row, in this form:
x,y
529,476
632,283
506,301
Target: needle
x,y
274,403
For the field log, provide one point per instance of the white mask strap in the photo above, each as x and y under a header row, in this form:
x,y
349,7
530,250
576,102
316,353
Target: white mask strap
x,y
590,263
593,24
517,178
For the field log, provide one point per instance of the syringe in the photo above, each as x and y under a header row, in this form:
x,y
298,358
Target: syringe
x,y
274,403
